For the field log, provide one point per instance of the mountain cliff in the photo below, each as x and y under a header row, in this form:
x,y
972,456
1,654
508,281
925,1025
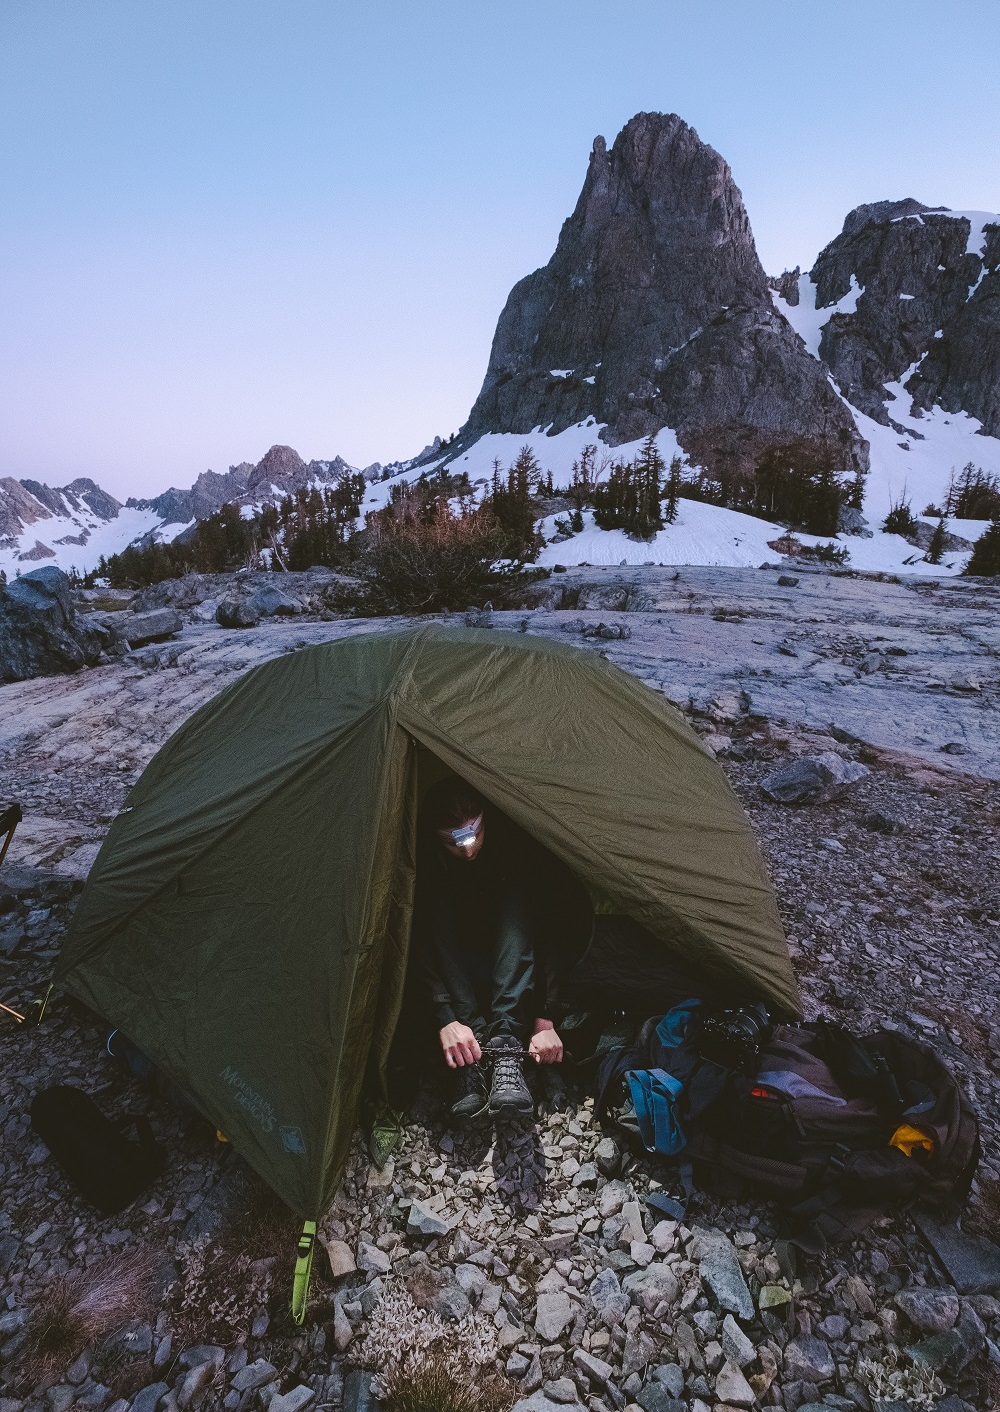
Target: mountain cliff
x,y
655,311
925,308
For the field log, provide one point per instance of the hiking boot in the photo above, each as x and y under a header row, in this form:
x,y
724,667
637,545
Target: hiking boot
x,y
509,1094
471,1094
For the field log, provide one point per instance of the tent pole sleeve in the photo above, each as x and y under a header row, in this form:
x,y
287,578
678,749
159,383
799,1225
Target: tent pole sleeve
x,y
303,1269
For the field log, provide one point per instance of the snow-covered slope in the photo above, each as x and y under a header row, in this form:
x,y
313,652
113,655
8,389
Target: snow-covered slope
x,y
69,526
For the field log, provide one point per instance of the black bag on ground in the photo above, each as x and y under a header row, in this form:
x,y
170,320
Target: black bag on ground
x,y
108,1168
842,1128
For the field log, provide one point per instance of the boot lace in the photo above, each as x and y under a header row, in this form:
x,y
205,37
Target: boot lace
x,y
507,1071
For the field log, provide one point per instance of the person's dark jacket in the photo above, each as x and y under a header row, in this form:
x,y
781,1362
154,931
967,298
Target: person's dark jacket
x,y
509,858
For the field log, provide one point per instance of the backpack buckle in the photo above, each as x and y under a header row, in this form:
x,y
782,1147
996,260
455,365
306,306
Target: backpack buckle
x,y
837,1160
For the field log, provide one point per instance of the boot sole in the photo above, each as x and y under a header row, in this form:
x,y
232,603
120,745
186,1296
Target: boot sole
x,y
512,1110
465,1114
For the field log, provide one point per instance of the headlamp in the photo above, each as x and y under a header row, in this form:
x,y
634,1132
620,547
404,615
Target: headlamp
x,y
465,835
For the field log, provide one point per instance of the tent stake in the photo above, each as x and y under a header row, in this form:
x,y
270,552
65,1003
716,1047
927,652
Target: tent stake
x,y
303,1269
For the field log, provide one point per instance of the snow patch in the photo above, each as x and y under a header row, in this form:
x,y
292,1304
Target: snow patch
x,y
103,537
713,535
808,321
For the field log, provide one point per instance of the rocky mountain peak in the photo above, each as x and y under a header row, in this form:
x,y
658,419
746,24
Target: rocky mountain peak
x,y
280,465
880,212
655,311
913,292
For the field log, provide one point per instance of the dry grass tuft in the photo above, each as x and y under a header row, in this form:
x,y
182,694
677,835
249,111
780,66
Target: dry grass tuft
x,y
434,1387
75,1311
424,1364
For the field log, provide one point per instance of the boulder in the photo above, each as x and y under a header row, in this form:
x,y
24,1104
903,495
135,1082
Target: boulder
x,y
610,1303
652,1286
808,1359
932,1311
155,626
234,612
541,1402
269,601
341,1256
851,521
732,1388
40,631
813,779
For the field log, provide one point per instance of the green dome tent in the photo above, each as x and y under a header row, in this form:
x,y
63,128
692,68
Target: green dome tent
x,y
247,920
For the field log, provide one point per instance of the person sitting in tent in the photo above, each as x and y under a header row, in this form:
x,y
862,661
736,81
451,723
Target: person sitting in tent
x,y
489,982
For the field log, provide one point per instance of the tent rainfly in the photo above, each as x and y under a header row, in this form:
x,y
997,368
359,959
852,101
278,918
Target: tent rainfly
x,y
247,920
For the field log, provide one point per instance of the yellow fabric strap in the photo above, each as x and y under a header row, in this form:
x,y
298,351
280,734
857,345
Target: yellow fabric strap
x,y
303,1269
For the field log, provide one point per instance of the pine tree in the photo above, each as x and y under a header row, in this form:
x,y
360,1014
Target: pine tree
x,y
673,490
649,468
985,560
936,547
630,497
511,505
584,477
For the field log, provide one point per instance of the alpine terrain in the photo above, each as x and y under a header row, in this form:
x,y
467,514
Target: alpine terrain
x,y
654,316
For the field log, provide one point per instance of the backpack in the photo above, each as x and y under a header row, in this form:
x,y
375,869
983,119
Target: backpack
x,y
107,1167
841,1128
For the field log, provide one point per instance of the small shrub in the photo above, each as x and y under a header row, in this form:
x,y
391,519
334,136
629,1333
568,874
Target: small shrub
x,y
787,545
423,1364
223,1283
435,562
915,1385
825,553
900,520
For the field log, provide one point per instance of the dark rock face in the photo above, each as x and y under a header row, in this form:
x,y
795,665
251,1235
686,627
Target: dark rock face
x,y
654,311
926,300
40,634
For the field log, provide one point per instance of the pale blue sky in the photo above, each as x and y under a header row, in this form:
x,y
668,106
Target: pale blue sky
x,y
225,224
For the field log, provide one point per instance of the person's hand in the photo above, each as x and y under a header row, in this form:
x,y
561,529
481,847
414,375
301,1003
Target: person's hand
x,y
460,1045
546,1047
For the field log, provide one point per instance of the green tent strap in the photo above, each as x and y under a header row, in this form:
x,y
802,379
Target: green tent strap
x,y
303,1269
